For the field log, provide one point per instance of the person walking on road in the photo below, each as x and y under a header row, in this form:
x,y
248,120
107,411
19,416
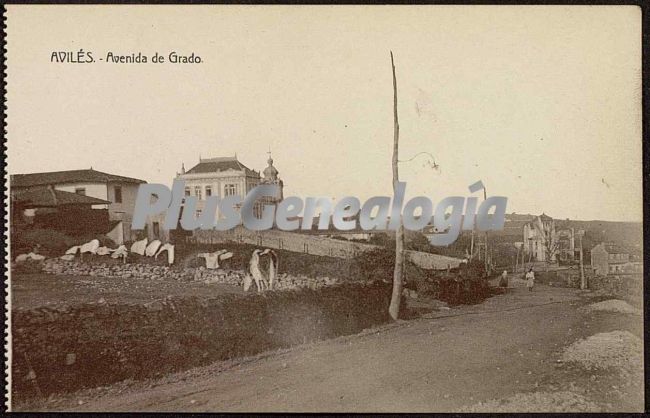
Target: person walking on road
x,y
504,279
530,279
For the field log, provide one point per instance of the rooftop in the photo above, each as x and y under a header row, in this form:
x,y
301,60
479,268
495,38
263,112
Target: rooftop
x,y
519,217
70,176
544,217
43,196
616,249
219,164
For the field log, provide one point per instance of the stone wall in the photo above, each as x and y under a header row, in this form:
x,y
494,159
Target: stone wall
x,y
152,271
57,350
314,244
430,261
626,286
284,240
566,277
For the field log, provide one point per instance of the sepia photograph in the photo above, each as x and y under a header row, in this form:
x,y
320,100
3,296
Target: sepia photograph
x,y
317,208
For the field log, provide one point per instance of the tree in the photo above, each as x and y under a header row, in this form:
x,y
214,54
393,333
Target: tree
x,y
551,243
416,241
398,272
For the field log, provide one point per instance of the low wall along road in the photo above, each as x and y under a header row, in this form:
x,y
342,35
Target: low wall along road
x,y
316,245
94,344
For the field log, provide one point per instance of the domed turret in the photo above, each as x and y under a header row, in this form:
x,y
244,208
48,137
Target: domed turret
x,y
270,172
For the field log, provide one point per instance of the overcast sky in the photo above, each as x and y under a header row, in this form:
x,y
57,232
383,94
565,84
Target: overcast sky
x,y
543,104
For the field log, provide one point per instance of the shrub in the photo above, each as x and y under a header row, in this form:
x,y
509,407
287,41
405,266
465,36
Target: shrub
x,y
377,264
51,243
27,267
104,240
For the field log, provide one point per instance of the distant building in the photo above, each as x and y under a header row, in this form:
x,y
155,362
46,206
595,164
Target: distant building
x,y
44,207
513,226
566,248
540,238
609,258
227,176
545,241
118,194
272,176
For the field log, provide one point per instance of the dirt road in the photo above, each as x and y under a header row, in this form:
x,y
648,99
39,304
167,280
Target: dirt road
x,y
505,350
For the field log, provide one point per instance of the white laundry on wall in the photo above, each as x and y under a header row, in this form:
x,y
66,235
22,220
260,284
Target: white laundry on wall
x,y
121,251
104,251
151,249
139,247
212,259
258,274
170,252
90,247
255,273
29,256
73,250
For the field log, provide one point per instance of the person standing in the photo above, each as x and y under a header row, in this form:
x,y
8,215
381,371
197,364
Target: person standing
x,y
530,279
504,279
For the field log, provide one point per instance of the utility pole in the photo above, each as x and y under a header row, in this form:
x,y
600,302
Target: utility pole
x,y
486,237
393,309
471,246
517,259
583,282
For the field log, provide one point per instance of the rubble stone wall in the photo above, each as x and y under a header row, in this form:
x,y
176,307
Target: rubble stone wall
x,y
64,349
152,271
626,286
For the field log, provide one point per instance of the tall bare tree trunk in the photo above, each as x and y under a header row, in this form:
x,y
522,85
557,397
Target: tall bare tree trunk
x,y
398,273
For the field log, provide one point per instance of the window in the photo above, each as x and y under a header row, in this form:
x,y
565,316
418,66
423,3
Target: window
x,y
118,194
197,192
257,210
187,191
198,213
230,190
80,190
156,230
208,191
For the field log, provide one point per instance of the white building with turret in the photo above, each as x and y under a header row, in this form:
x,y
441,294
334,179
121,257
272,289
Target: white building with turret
x,y
226,176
